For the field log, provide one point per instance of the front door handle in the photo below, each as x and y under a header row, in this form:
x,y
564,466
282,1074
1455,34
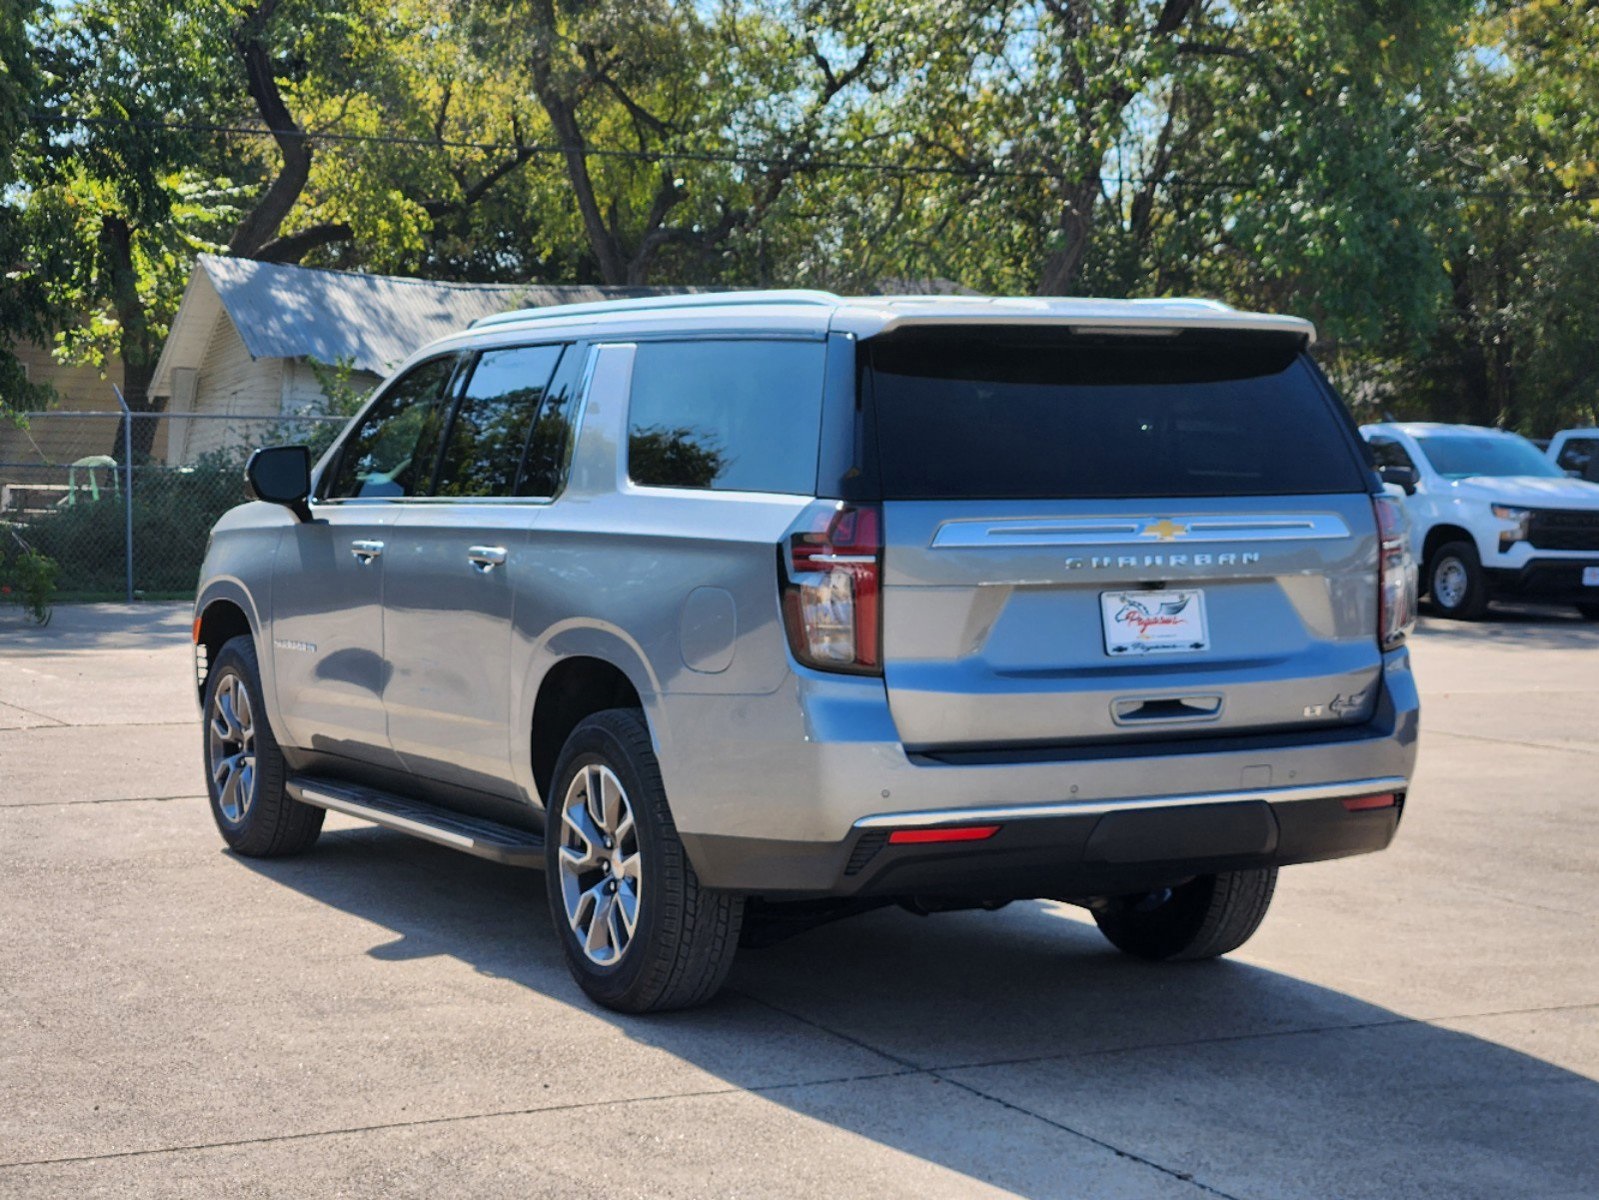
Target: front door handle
x,y
366,551
485,558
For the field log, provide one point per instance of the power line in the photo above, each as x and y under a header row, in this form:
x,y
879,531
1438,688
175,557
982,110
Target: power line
x,y
758,161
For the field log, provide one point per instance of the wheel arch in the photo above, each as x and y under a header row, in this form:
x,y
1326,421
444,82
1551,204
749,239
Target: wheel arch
x,y
224,611
572,689
1439,536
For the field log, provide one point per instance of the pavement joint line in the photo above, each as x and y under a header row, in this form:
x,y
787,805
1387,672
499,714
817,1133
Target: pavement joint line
x,y
934,1073
31,713
104,800
457,1119
1573,748
59,724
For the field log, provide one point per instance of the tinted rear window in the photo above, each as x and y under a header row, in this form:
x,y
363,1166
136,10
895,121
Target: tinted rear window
x,y
1060,415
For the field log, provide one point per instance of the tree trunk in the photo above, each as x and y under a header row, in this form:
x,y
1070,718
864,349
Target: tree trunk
x,y
135,344
1064,267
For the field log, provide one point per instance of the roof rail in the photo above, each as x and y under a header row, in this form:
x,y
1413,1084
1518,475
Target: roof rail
x,y
1188,301
655,303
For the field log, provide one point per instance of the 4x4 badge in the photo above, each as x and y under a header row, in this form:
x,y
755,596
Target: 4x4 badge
x,y
1163,530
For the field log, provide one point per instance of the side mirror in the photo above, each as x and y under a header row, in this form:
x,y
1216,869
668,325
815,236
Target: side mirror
x,y
281,475
1405,477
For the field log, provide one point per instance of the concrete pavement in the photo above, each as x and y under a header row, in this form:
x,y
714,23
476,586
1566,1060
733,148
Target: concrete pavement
x,y
384,1017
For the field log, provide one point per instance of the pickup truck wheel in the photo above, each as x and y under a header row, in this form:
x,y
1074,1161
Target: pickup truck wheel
x,y
244,769
639,931
1203,918
1456,582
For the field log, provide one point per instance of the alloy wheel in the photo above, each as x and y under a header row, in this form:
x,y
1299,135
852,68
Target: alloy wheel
x,y
230,746
602,881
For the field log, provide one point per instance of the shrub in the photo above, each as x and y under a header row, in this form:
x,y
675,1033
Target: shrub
x,y
27,578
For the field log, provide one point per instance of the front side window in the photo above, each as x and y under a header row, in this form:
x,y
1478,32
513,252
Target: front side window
x,y
498,411
390,454
1581,455
1464,455
740,416
1386,452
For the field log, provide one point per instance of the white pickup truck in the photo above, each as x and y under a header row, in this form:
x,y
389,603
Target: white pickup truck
x,y
1491,515
1576,452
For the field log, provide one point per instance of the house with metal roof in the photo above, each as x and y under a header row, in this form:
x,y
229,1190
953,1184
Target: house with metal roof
x,y
247,334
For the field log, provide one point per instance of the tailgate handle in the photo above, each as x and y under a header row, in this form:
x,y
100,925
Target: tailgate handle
x,y
1142,710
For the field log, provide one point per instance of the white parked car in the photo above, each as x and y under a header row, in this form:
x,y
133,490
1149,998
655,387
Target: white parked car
x,y
1491,516
1576,452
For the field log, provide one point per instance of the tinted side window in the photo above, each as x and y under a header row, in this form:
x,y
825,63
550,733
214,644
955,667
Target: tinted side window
x,y
549,442
734,416
1386,452
497,411
391,454
1578,454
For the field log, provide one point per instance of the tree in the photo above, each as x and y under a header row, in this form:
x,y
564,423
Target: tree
x,y
1515,144
22,306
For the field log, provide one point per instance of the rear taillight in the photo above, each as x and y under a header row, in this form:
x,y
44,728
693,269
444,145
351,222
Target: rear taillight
x,y
1396,574
832,567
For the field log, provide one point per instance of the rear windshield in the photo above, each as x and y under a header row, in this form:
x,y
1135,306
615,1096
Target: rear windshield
x,y
1019,415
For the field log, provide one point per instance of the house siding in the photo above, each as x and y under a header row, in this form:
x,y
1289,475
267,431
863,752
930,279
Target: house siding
x,y
77,389
230,383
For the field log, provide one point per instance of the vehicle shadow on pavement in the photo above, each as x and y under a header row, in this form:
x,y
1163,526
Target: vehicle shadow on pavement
x,y
1018,1049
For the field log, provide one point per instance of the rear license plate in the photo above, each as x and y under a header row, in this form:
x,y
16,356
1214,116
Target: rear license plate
x,y
1590,577
1170,621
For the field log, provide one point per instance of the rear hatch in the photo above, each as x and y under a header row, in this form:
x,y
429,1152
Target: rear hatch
x,y
1097,537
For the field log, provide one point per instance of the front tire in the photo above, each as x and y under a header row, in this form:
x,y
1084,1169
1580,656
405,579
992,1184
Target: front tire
x,y
639,931
244,769
1203,918
1457,583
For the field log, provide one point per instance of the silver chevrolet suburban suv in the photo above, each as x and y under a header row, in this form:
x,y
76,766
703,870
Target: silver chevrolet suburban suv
x,y
737,613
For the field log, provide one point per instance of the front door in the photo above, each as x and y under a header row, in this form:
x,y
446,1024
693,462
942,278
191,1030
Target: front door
x,y
328,649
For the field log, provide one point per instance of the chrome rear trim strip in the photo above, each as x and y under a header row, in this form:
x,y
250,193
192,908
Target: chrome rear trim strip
x,y
1079,808
1139,531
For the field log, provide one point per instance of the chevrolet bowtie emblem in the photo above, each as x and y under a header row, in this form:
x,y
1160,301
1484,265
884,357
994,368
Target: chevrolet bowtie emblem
x,y
1163,530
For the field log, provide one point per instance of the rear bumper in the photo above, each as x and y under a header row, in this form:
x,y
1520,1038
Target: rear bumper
x,y
1125,847
793,794
1554,579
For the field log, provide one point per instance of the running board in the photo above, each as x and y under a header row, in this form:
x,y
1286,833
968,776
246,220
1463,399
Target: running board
x,y
473,835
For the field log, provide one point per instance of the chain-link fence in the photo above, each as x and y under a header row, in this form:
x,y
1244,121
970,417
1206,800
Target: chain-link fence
x,y
66,481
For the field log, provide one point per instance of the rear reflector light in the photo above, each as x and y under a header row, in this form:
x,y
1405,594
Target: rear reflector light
x,y
1363,803
958,833
1396,574
832,588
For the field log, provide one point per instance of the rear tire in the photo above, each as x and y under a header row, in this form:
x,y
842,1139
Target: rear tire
x,y
1457,583
639,931
1204,918
244,769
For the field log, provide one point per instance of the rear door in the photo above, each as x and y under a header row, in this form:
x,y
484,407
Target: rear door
x,y
1102,538
453,574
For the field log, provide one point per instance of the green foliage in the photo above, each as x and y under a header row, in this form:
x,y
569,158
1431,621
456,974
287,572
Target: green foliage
x,y
27,578
1420,178
173,511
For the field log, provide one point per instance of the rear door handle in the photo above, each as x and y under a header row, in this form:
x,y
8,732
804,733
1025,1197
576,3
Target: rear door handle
x,y
366,551
485,558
